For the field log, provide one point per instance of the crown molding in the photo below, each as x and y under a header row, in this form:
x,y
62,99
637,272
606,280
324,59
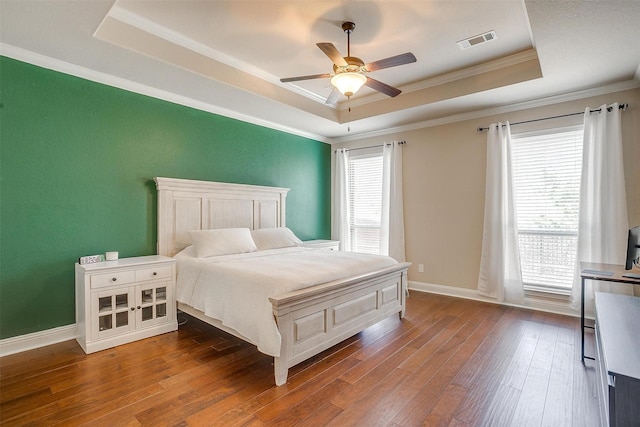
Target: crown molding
x,y
120,83
98,77
178,39
134,20
454,118
441,79
162,32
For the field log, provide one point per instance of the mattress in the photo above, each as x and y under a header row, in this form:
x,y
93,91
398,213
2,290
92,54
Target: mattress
x,y
235,289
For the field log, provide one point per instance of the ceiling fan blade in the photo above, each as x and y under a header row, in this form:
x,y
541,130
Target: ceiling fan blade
x,y
382,87
333,97
393,61
309,77
330,50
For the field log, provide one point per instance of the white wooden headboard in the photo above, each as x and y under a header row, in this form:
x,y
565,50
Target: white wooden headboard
x,y
185,204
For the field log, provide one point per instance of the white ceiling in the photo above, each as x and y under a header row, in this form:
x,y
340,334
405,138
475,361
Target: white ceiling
x,y
227,56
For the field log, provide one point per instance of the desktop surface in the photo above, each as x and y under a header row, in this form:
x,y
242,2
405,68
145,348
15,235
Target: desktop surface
x,y
609,272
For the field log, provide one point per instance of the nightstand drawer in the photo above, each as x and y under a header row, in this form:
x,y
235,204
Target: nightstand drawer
x,y
163,272
333,245
111,279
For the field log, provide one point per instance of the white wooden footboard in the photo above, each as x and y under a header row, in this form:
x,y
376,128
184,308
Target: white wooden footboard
x,y
314,319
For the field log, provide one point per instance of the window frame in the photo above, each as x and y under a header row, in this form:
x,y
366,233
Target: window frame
x,y
552,291
360,154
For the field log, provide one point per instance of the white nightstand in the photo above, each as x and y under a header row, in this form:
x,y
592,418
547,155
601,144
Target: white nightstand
x,y
333,245
125,300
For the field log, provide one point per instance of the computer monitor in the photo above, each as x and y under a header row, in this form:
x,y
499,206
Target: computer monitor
x,y
633,249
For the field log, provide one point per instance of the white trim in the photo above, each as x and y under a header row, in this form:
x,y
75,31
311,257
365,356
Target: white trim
x,y
179,39
449,77
548,131
49,63
74,70
530,303
455,118
37,339
64,333
130,18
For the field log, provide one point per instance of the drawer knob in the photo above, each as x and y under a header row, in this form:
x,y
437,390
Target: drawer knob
x,y
133,308
114,279
155,274
138,307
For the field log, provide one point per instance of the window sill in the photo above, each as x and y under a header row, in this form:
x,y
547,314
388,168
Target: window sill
x,y
542,293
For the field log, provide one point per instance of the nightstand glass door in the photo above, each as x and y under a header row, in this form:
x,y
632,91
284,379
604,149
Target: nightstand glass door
x,y
152,307
111,312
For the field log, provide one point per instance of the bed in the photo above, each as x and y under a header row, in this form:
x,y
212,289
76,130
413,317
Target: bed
x,y
306,318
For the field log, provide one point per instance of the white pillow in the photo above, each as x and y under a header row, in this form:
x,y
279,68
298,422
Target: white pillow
x,y
273,238
222,241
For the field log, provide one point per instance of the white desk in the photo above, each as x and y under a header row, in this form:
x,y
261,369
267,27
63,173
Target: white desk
x,y
594,271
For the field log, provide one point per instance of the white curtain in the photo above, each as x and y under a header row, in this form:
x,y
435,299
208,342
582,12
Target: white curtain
x,y
603,224
340,220
392,221
500,276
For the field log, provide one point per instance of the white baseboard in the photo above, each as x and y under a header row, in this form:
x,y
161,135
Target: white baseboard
x,y
63,333
530,303
37,339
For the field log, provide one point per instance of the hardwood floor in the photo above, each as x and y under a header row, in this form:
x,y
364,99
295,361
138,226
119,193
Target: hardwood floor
x,y
450,362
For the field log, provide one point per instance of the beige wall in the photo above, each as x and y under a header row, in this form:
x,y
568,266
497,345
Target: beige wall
x,y
444,180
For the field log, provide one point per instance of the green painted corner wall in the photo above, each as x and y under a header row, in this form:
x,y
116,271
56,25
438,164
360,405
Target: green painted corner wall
x,y
77,161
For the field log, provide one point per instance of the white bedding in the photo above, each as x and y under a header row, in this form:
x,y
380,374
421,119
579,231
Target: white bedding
x,y
235,289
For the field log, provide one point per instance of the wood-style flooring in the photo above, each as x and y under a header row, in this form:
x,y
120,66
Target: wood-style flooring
x,y
450,362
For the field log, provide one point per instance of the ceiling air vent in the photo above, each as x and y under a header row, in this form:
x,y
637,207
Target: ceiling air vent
x,y
476,40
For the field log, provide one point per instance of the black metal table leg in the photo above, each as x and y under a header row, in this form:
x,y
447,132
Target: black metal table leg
x,y
582,325
582,315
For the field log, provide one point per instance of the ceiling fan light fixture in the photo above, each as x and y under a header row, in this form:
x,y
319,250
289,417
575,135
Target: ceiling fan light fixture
x,y
348,83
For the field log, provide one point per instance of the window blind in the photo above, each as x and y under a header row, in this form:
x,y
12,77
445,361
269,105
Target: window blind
x,y
365,207
546,172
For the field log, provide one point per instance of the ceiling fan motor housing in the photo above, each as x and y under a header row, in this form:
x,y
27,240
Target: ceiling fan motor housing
x,y
354,65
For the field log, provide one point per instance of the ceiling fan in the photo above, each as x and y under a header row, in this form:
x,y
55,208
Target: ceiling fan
x,y
349,72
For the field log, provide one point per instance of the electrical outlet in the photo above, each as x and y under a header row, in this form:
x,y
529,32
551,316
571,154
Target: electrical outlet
x,y
420,268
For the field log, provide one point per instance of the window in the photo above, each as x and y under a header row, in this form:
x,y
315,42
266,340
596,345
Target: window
x,y
546,173
365,201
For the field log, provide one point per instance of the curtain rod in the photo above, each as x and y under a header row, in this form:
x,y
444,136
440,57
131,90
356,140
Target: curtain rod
x,y
371,146
622,107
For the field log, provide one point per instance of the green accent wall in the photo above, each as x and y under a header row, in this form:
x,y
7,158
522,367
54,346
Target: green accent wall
x,y
77,162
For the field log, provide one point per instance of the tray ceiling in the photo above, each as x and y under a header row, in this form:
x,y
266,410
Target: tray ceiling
x,y
228,56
